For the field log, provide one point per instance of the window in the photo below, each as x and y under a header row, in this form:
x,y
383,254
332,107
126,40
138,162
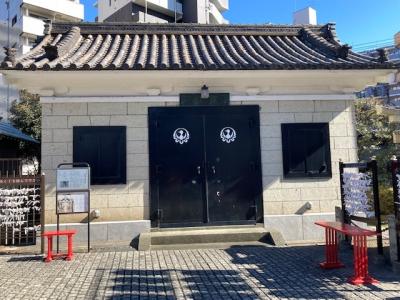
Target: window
x,y
306,150
104,148
14,20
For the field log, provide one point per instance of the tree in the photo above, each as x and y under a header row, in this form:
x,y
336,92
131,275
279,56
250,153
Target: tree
x,y
375,138
25,115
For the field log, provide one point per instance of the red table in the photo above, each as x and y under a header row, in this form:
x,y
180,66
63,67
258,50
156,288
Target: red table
x,y
361,275
50,235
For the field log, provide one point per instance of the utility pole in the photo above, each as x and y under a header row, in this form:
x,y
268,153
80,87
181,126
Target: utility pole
x,y
8,45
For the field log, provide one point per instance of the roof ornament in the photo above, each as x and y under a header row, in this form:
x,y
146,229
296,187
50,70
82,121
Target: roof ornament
x,y
383,55
11,54
343,51
47,26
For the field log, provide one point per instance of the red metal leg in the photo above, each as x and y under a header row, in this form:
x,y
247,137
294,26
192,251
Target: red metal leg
x,y
49,257
361,275
70,253
331,250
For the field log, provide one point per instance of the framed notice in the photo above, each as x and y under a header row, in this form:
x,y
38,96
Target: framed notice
x,y
72,179
73,202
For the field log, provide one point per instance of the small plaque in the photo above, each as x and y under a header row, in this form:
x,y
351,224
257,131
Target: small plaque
x,y
74,202
73,179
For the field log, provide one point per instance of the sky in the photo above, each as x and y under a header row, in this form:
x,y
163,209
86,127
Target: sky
x,y
358,21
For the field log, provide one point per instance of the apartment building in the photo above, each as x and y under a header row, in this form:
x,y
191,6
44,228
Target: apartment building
x,y
163,11
21,22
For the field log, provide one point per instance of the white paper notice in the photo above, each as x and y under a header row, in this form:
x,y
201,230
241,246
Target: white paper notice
x,y
72,179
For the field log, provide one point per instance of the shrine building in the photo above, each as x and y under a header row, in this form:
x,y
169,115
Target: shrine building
x,y
189,125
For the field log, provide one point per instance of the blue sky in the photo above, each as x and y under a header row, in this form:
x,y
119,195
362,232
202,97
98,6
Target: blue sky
x,y
358,21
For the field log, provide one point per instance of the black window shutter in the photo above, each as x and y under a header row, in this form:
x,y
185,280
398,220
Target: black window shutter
x,y
104,148
306,150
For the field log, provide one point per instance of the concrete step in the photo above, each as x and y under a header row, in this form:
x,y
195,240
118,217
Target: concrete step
x,y
156,239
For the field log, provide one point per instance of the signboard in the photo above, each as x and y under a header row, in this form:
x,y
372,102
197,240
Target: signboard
x,y
72,203
73,192
72,179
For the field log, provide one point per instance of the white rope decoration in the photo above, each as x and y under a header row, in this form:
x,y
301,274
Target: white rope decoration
x,y
355,188
15,204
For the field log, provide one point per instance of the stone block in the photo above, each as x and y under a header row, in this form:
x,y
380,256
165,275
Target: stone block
x,y
322,117
336,130
78,121
330,106
273,131
318,194
343,117
299,207
271,156
276,195
54,122
111,189
69,109
133,121
100,120
271,144
139,186
273,208
296,106
47,109
272,169
54,149
127,200
62,135
291,227
127,230
265,106
137,160
139,108
137,147
138,173
47,135
276,118
137,134
345,143
328,206
60,159
98,201
107,108
303,117
271,182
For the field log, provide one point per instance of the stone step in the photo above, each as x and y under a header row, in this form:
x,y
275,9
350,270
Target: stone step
x,y
210,235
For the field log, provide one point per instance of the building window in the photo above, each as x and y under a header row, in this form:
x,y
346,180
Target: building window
x,y
306,150
14,20
104,148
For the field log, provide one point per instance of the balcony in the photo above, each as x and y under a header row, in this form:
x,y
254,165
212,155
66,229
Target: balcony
x,y
166,7
32,26
222,5
68,10
215,16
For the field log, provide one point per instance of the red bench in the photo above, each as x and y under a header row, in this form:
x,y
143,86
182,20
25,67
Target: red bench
x,y
361,275
50,234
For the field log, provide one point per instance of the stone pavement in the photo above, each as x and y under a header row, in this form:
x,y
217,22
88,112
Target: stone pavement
x,y
248,272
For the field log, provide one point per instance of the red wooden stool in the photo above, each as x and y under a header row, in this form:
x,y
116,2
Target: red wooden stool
x,y
361,275
50,234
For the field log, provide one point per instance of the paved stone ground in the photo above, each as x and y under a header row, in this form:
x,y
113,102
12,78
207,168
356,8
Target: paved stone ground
x,y
248,272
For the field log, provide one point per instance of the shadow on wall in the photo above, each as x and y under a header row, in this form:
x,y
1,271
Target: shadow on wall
x,y
238,272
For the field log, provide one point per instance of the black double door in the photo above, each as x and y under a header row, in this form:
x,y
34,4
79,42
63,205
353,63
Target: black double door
x,y
205,165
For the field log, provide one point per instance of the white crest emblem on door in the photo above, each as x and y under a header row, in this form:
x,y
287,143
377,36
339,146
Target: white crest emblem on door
x,y
181,136
228,135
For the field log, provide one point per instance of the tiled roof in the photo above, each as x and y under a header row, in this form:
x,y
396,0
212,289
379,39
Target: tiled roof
x,y
6,129
123,46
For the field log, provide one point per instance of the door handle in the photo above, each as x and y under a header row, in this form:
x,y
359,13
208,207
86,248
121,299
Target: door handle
x,y
213,169
198,170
